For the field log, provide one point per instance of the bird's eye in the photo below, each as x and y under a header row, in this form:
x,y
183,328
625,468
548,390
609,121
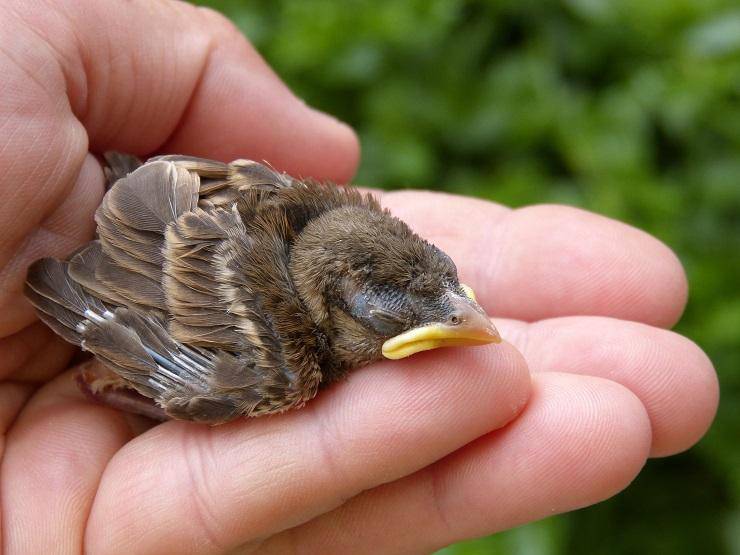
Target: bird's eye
x,y
454,320
385,322
378,309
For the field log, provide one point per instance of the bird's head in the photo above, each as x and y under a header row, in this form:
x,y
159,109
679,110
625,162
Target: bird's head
x,y
382,291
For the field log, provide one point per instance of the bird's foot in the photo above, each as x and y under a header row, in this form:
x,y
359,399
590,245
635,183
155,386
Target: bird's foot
x,y
102,386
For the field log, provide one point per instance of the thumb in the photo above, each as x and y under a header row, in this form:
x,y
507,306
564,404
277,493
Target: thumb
x,y
136,76
149,76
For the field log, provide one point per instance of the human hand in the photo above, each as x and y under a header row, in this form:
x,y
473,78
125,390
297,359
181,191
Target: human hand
x,y
402,457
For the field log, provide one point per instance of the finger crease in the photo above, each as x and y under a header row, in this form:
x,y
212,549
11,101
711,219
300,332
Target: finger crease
x,y
196,454
436,492
333,470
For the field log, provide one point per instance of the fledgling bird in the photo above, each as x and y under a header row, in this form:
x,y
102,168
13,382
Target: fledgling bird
x,y
223,290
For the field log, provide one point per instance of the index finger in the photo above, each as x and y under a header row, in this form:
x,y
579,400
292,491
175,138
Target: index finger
x,y
546,261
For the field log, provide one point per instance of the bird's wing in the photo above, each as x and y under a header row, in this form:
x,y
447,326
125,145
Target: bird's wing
x,y
160,296
170,213
188,382
209,297
191,383
220,183
169,240
223,184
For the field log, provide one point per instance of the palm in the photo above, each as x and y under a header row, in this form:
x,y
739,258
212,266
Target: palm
x,y
403,456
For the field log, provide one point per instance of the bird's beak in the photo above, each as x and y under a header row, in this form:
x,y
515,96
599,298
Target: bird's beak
x,y
472,328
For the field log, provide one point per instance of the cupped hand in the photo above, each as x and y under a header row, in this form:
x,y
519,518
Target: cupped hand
x,y
402,457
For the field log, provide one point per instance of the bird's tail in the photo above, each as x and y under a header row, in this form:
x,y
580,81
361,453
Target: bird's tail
x,y
61,302
134,345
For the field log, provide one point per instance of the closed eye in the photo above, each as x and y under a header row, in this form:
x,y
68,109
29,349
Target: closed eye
x,y
386,322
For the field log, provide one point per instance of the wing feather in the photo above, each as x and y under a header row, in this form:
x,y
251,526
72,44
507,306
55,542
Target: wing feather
x,y
118,166
162,296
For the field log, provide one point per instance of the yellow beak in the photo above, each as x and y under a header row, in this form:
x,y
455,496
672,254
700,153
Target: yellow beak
x,y
472,327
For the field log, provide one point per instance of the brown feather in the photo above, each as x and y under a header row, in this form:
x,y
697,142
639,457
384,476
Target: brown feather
x,y
122,346
64,322
203,167
82,268
49,279
118,166
153,196
142,244
136,288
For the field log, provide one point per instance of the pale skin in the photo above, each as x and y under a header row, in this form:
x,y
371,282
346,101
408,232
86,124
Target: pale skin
x,y
403,457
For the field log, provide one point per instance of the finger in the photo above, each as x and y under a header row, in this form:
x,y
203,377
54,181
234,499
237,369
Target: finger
x,y
48,226
12,398
242,481
139,77
241,108
140,74
33,354
580,440
673,378
55,454
546,261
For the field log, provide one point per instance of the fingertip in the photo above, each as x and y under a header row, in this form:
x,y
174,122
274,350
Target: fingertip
x,y
241,109
342,149
655,285
690,405
672,297
587,264
599,434
670,374
492,380
579,441
512,374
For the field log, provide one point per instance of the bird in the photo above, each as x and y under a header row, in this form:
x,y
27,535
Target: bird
x,y
214,291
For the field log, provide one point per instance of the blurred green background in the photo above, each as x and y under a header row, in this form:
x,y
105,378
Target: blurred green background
x,y
630,108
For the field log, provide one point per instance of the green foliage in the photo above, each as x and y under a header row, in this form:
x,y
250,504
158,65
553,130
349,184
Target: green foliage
x,y
629,108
